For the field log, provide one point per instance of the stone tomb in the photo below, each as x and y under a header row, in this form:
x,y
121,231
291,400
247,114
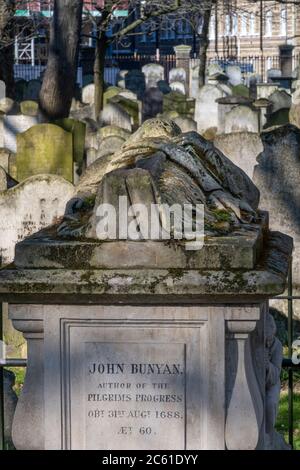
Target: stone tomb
x,y
142,344
153,74
45,148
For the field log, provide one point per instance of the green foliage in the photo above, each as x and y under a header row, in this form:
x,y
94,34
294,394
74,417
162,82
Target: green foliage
x,y
282,419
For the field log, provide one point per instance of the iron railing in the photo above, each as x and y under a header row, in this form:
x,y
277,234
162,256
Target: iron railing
x,y
286,364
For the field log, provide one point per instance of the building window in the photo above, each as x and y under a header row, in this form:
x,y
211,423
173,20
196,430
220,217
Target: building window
x,y
212,26
283,22
268,23
227,26
252,24
234,25
244,24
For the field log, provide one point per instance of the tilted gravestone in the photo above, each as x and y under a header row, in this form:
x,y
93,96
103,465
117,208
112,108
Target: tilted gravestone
x,y
14,125
110,92
153,74
280,99
45,149
113,114
206,110
31,205
241,119
175,101
137,342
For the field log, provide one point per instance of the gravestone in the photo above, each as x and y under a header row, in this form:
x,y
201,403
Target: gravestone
x,y
113,114
213,68
241,119
177,102
264,90
20,89
277,177
135,82
234,74
88,94
206,110
131,106
33,90
14,125
153,74
242,148
136,343
45,149
29,108
3,179
186,124
2,89
31,205
280,99
113,131
178,86
164,87
194,81
227,104
152,103
77,130
177,74
129,95
110,92
279,118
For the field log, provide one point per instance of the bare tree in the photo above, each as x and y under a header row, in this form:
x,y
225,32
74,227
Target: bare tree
x,y
7,16
59,81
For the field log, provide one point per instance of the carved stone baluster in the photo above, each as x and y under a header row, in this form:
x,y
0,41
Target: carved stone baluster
x,y
244,406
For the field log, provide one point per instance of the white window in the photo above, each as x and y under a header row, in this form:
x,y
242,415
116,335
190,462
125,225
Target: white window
x,y
244,24
212,26
227,25
283,22
234,25
268,23
252,24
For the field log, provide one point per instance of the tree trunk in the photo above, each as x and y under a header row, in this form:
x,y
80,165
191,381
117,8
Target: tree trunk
x,y
204,46
99,66
7,23
59,81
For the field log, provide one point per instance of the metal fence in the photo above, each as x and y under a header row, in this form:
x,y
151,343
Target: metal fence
x,y
287,364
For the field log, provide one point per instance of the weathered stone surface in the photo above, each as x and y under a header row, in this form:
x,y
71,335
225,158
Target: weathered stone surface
x,y
175,101
131,106
186,124
280,99
45,149
264,90
109,93
4,159
206,110
77,130
29,108
294,114
153,74
24,209
88,94
178,86
113,114
241,119
14,125
279,118
277,177
242,148
113,131
177,74
8,106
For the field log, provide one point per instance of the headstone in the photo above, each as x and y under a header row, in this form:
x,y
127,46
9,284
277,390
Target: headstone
x,y
33,90
242,119
152,103
294,114
177,74
264,106
109,93
206,110
153,74
113,114
131,106
235,75
175,101
194,81
242,148
45,149
277,175
77,130
29,108
273,73
14,125
24,209
20,89
113,131
178,86
88,94
2,89
135,82
264,90
186,124
214,68
227,104
129,95
280,99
